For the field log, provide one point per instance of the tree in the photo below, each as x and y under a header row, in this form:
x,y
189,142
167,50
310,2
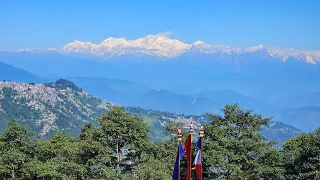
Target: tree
x,y
55,158
126,135
302,156
159,159
93,154
16,148
153,168
233,149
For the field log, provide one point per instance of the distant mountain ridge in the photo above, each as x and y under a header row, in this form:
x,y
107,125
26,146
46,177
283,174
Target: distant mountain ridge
x,y
211,101
113,90
164,100
160,45
128,93
223,97
307,118
11,73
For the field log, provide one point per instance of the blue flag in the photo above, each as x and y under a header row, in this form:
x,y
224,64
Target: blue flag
x,y
175,175
198,144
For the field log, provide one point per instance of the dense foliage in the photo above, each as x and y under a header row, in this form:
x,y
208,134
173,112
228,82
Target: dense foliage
x,y
235,150
302,156
119,148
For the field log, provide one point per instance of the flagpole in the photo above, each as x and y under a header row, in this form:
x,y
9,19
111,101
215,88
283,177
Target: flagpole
x,y
190,132
201,134
179,140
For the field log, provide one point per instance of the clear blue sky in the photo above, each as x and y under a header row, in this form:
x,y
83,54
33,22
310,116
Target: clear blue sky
x,y
53,23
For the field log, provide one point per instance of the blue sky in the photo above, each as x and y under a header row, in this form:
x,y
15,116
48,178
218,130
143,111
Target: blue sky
x,y
276,23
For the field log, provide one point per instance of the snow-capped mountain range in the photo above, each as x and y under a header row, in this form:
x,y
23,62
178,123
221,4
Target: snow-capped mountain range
x,y
160,45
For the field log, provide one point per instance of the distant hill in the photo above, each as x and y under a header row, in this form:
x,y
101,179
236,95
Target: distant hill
x,y
222,97
279,132
306,118
118,91
211,101
312,99
164,100
11,73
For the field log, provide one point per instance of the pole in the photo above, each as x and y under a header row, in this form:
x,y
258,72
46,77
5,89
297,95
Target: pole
x,y
179,160
201,134
190,162
179,140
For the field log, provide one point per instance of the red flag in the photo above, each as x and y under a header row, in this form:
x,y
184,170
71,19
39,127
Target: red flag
x,y
188,149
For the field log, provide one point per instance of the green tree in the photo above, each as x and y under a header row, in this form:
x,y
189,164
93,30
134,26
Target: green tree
x,y
302,156
159,160
153,168
126,135
55,158
233,149
16,148
93,154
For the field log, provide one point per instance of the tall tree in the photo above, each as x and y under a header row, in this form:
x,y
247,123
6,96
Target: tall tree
x,y
16,148
126,135
158,161
302,156
93,154
233,148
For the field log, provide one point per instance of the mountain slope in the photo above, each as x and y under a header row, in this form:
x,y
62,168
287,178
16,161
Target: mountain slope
x,y
47,108
11,73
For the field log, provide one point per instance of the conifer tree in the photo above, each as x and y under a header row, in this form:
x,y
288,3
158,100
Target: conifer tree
x,y
233,148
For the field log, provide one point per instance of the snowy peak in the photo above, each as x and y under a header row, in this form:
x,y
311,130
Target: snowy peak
x,y
38,50
201,46
311,57
155,45
79,47
160,45
255,48
198,43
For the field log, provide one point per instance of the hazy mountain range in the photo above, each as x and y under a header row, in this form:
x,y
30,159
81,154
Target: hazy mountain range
x,y
62,106
156,72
